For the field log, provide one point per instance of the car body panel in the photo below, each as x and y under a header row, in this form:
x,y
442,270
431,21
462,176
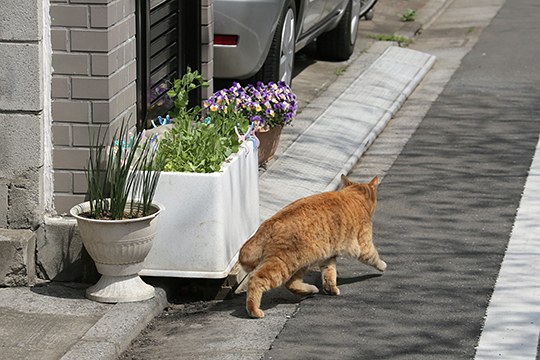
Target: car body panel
x,y
255,22
253,31
313,13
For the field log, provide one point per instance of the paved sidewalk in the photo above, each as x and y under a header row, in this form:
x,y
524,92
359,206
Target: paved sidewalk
x,y
55,321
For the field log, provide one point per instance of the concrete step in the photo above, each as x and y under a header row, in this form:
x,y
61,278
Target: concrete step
x,y
17,257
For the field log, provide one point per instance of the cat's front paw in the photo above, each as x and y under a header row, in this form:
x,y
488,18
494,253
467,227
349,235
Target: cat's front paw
x,y
332,290
256,313
381,266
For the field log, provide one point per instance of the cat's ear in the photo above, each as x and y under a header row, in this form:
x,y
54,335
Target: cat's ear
x,y
345,181
374,182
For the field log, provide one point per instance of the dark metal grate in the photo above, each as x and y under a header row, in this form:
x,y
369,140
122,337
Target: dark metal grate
x,y
159,35
168,41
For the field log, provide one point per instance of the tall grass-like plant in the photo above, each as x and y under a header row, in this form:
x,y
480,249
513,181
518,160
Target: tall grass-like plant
x,y
127,169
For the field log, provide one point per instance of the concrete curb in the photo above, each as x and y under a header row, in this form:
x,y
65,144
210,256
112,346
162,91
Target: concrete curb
x,y
428,14
381,124
352,120
113,333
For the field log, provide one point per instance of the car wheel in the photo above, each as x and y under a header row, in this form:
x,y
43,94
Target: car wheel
x,y
338,44
279,63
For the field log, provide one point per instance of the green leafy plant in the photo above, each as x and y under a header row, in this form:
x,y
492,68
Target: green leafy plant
x,y
408,15
401,40
197,143
340,71
194,146
122,177
180,90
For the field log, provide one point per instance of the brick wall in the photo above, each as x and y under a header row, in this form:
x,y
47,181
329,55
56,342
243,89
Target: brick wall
x,y
207,45
94,50
94,74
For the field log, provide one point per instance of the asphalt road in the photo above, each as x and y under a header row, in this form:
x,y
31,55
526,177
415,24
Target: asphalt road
x,y
454,162
445,214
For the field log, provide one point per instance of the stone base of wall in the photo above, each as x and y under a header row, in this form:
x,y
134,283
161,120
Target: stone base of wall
x,y
60,254
17,260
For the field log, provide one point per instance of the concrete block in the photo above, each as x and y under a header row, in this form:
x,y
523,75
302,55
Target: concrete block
x,y
17,257
20,77
20,20
60,253
20,144
23,201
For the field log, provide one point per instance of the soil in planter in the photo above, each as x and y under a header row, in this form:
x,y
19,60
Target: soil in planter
x,y
127,213
107,216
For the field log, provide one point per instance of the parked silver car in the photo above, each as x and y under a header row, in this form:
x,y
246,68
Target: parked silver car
x,y
256,40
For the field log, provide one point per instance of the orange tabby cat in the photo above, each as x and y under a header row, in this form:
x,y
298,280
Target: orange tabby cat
x,y
311,231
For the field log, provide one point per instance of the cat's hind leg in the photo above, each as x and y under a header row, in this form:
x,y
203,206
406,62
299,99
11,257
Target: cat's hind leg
x,y
270,273
297,286
329,276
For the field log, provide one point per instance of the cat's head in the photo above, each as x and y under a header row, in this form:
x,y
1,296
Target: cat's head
x,y
368,189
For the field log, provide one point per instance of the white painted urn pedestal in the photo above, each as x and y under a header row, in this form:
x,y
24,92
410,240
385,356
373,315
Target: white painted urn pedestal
x,y
118,248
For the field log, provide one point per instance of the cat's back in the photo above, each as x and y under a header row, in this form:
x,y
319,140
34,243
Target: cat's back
x,y
325,214
333,203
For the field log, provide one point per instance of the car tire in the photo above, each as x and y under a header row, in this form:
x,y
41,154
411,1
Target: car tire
x,y
338,44
279,62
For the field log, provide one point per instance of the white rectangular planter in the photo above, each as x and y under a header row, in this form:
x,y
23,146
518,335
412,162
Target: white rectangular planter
x,y
207,218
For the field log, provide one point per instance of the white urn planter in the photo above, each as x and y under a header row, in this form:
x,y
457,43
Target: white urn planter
x,y
208,218
118,248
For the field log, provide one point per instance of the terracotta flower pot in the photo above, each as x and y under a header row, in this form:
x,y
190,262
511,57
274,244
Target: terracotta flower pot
x,y
269,140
